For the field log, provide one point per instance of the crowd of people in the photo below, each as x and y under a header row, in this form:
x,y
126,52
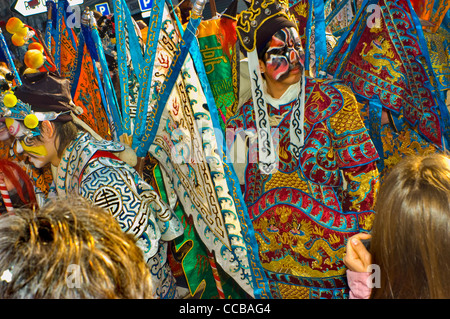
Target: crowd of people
x,y
298,192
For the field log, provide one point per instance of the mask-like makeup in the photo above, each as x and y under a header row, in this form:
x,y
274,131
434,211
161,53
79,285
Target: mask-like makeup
x,y
14,127
4,133
37,154
284,54
34,150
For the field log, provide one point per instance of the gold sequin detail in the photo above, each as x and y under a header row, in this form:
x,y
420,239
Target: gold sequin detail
x,y
293,292
366,221
279,179
290,266
301,232
348,118
397,147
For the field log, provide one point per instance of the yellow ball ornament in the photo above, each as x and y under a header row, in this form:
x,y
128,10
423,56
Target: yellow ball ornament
x,y
34,59
36,46
10,100
17,40
30,71
23,31
13,25
31,121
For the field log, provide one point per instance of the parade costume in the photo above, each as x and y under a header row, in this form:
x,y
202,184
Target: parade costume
x,y
41,177
203,187
323,186
90,169
196,176
301,214
203,194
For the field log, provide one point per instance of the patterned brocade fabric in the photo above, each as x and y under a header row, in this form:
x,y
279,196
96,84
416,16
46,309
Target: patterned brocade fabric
x,y
304,212
114,185
396,66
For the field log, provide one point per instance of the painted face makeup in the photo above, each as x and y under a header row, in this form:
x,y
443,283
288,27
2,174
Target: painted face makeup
x,y
285,54
37,154
14,127
36,151
39,150
4,133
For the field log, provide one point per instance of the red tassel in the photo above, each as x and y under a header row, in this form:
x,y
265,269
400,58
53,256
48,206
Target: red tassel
x,y
228,36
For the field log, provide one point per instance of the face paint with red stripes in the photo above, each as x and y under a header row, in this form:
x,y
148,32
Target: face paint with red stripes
x,y
285,54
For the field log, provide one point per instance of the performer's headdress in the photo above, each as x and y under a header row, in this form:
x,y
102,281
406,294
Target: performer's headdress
x,y
255,29
261,20
42,96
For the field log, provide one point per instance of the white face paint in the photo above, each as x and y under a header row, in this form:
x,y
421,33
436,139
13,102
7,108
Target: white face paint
x,y
37,162
14,127
35,150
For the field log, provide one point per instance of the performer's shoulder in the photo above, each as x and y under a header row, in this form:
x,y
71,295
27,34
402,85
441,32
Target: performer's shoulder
x,y
326,82
332,87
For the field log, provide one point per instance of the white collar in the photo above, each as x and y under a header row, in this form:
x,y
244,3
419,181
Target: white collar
x,y
288,96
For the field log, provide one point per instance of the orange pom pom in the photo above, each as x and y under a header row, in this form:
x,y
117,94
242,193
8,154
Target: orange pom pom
x,y
14,25
34,59
17,40
36,46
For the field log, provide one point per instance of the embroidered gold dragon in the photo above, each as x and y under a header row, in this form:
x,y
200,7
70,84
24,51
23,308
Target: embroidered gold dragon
x,y
381,55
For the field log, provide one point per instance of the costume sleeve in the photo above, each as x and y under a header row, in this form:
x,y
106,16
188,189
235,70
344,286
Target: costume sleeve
x,y
138,208
356,156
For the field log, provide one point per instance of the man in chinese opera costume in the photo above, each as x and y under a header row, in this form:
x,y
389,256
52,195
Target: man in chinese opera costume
x,y
310,166
47,131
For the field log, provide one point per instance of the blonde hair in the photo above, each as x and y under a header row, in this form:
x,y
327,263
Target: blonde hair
x,y
38,249
411,229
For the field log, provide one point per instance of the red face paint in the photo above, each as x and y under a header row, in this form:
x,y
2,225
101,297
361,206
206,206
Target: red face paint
x,y
285,54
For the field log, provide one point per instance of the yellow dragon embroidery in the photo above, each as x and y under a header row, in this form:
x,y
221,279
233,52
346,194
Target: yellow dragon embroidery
x,y
271,239
380,55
